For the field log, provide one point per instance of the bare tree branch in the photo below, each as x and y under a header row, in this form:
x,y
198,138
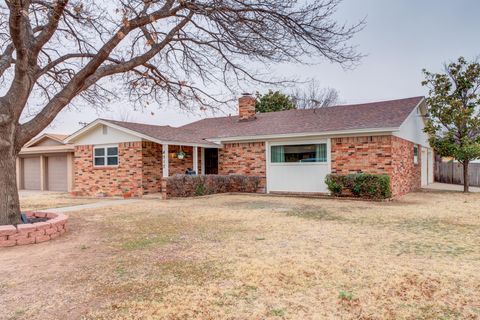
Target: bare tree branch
x,y
173,49
6,58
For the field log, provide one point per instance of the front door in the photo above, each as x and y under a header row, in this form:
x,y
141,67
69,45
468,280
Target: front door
x,y
211,161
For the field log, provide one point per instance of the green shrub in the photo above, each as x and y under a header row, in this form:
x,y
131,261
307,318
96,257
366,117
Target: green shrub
x,y
363,185
200,190
345,295
334,184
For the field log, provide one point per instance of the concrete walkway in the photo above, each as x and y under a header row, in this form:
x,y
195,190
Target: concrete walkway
x,y
100,204
448,187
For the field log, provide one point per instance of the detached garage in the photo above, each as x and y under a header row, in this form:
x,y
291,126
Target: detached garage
x,y
46,163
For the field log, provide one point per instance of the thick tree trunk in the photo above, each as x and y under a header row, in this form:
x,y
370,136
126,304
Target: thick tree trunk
x,y
466,178
9,201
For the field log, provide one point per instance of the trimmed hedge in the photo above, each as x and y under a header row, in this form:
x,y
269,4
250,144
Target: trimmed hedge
x,y
178,186
363,185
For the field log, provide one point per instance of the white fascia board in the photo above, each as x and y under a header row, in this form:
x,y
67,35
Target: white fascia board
x,y
40,138
35,140
80,132
27,152
301,135
414,114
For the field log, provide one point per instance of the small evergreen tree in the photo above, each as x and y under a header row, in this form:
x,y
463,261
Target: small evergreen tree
x,y
273,101
453,112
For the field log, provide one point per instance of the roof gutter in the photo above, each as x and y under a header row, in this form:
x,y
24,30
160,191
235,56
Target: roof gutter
x,y
303,135
27,151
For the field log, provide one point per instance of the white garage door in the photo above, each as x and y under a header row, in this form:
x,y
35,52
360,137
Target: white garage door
x,y
31,173
298,166
431,161
424,167
57,173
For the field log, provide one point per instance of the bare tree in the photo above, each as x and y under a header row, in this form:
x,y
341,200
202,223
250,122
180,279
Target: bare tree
x,y
56,53
123,113
315,97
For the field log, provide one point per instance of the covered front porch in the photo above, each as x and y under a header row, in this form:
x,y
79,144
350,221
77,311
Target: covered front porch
x,y
160,161
184,159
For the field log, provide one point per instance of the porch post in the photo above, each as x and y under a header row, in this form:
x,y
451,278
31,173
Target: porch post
x,y
165,160
203,159
195,160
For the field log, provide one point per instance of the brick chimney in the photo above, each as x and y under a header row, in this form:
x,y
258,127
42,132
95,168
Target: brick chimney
x,y
246,107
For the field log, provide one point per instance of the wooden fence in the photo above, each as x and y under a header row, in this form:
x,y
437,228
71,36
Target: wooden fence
x,y
452,172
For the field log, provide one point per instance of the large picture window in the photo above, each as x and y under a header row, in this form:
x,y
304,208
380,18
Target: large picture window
x,y
301,153
105,156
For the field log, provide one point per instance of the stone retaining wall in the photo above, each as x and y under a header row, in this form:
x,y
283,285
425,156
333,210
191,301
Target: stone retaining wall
x,y
37,232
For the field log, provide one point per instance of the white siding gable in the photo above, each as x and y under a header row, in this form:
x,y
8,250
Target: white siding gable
x,y
412,128
47,142
102,134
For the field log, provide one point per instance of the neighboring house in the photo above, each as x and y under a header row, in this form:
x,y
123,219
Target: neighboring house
x,y
292,151
46,163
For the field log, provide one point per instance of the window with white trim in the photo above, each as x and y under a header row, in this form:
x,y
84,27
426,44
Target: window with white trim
x,y
105,156
301,153
415,154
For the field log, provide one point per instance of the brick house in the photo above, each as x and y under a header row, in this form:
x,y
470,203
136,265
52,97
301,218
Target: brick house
x,y
292,151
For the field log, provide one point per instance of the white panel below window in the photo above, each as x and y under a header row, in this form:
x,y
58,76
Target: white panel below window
x,y
298,178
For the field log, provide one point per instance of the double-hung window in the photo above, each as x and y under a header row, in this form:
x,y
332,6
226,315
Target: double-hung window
x,y
105,156
301,153
415,154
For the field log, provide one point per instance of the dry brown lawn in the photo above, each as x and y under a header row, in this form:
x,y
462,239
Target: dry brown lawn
x,y
255,257
36,200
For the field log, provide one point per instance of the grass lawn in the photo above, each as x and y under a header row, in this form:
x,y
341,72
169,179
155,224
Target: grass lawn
x,y
254,257
36,200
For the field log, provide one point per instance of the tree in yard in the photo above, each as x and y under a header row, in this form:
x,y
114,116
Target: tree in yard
x,y
273,101
312,98
55,54
453,121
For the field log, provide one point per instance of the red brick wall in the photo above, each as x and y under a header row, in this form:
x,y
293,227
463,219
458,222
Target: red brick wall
x,y
177,166
126,178
362,154
378,155
152,167
243,158
246,108
139,170
405,173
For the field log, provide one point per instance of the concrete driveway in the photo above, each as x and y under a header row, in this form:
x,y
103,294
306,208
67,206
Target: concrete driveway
x,y
449,187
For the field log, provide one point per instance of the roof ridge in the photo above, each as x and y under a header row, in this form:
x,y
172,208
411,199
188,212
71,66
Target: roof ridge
x,y
376,102
140,123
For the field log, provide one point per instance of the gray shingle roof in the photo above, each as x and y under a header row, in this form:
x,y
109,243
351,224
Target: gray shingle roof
x,y
376,115
164,133
384,114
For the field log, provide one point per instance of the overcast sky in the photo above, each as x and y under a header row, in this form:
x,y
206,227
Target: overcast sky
x,y
401,37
